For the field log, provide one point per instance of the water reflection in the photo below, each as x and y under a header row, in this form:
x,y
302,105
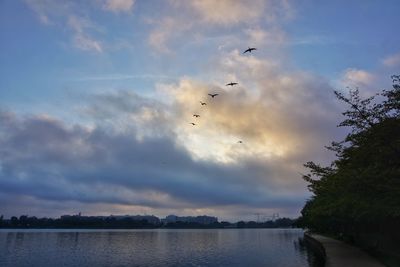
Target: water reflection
x,y
215,247
313,258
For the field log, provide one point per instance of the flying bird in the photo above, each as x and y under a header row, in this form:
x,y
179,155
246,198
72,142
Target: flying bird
x,y
240,142
249,50
192,123
213,95
203,103
231,84
196,115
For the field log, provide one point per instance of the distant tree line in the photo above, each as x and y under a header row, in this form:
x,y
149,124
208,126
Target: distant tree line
x,y
357,197
110,222
74,222
278,223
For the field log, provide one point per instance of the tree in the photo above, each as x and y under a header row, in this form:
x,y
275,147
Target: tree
x,y
14,221
362,186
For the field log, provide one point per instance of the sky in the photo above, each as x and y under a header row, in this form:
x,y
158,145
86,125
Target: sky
x,y
97,97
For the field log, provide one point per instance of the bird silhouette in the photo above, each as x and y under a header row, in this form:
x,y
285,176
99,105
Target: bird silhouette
x,y
203,103
192,123
196,115
240,142
213,95
249,50
231,84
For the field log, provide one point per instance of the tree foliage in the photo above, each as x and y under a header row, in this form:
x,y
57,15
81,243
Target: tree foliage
x,y
362,186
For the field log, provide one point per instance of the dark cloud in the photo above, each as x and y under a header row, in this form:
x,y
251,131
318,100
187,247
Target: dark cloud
x,y
43,158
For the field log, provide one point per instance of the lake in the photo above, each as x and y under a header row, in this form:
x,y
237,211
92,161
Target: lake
x,y
159,247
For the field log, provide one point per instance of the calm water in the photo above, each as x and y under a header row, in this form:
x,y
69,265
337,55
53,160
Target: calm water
x,y
215,247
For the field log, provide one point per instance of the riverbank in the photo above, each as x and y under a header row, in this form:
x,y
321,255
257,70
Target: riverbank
x,y
340,254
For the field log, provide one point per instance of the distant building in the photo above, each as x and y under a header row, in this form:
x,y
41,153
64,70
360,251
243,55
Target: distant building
x,y
190,219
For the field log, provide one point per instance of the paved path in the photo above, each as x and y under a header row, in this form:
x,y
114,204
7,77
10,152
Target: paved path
x,y
339,254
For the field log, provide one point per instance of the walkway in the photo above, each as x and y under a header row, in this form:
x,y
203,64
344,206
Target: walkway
x,y
339,254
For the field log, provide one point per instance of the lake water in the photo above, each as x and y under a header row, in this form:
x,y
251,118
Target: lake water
x,y
160,247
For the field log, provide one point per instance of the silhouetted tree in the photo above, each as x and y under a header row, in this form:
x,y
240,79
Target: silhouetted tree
x,y
241,224
361,188
14,221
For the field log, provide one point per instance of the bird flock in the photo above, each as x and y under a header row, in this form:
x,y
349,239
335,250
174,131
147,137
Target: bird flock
x,y
212,95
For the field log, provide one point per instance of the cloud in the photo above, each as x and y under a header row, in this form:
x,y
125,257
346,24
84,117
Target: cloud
x,y
166,29
357,78
134,153
78,24
142,154
116,77
192,19
258,36
81,39
61,14
392,60
277,115
119,5
84,42
226,12
49,11
43,158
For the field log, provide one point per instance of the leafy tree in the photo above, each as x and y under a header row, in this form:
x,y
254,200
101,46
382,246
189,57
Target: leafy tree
x,y
14,221
362,186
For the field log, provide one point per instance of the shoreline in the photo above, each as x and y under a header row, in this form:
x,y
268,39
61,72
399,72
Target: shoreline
x,y
129,229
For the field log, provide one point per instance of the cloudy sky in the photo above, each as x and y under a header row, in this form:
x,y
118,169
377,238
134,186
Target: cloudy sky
x,y
97,97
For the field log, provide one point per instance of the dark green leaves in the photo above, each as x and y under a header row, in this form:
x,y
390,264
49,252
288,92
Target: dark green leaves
x,y
363,183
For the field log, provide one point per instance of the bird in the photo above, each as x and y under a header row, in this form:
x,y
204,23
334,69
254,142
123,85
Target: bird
x,y
196,115
213,95
240,142
249,50
203,103
231,84
192,123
